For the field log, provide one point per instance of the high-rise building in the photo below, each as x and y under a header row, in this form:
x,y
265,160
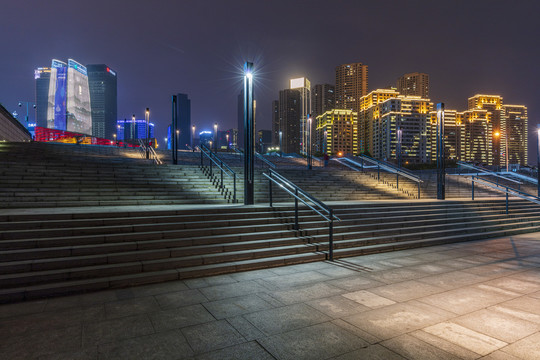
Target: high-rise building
x,y
516,125
240,119
303,86
476,136
275,122
337,132
184,121
129,130
103,99
369,117
410,116
351,85
42,76
69,98
493,104
324,99
416,84
264,140
289,120
452,135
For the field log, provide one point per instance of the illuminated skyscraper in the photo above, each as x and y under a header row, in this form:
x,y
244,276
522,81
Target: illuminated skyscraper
x,y
337,132
289,120
493,104
303,86
351,85
129,130
323,99
516,121
69,98
103,98
477,135
184,121
453,132
42,76
275,122
416,84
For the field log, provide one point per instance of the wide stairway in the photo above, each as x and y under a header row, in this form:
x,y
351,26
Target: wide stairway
x,y
66,175
52,253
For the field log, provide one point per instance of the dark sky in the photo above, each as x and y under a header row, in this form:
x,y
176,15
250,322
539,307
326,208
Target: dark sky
x,y
198,47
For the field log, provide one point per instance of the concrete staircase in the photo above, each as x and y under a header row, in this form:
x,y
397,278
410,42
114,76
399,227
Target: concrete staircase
x,y
53,175
50,253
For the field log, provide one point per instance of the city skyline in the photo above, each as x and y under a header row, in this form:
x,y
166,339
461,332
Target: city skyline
x,y
203,61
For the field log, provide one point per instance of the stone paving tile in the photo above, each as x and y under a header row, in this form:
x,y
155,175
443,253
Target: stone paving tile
x,y
23,308
337,306
354,283
444,345
338,272
467,299
500,355
45,321
155,289
464,337
164,345
286,318
414,348
369,299
296,279
130,307
405,291
113,330
320,341
210,281
219,292
524,307
245,328
452,279
211,336
404,261
180,317
493,270
254,274
246,351
516,285
306,293
397,319
84,354
526,348
369,338
532,275
372,352
181,298
431,268
397,275
236,306
496,324
29,346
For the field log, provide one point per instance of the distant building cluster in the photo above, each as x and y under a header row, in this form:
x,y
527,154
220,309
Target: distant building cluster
x,y
396,122
77,98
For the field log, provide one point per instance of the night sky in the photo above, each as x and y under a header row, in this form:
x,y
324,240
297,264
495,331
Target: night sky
x,y
198,47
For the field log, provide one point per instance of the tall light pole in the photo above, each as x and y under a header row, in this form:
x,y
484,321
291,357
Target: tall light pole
x,y
192,137
280,143
174,125
176,144
215,137
506,146
27,103
441,171
227,136
249,136
398,150
538,159
310,165
147,118
132,128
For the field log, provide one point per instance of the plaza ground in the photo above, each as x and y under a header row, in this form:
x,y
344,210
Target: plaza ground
x,y
469,300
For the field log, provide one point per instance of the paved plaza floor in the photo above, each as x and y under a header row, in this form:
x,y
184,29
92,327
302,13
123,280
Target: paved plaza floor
x,y
474,300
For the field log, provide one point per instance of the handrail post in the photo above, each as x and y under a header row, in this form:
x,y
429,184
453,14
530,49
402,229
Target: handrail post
x,y
418,189
378,172
296,227
201,158
397,181
234,184
221,175
331,236
507,201
472,188
270,188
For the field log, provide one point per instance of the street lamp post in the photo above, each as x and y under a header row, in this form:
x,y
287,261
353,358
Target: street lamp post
x,y
280,143
192,137
506,146
249,136
441,171
398,150
538,159
227,136
310,164
27,103
176,144
215,137
147,116
174,126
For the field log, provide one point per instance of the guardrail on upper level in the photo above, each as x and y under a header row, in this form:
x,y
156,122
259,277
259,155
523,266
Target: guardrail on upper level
x,y
380,165
224,168
300,195
480,170
503,188
257,156
143,148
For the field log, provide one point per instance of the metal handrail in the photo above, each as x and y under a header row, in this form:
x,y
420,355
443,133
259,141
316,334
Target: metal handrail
x,y
385,166
257,155
292,189
142,149
506,189
480,169
225,169
155,156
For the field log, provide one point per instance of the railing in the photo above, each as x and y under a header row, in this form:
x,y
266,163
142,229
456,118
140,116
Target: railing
x,y
224,168
152,152
481,170
380,165
300,195
257,156
503,188
142,149
154,156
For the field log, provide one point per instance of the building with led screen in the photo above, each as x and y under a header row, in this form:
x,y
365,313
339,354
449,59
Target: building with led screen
x,y
68,106
133,130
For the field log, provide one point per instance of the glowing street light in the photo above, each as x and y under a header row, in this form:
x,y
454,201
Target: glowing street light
x,y
192,137
215,137
538,159
249,136
309,144
441,171
147,118
280,143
